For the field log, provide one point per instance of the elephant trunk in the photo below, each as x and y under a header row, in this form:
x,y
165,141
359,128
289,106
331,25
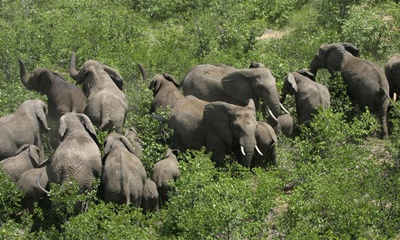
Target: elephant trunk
x,y
72,69
23,73
247,145
273,106
314,66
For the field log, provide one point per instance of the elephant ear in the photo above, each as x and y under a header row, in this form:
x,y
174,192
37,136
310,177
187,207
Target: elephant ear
x,y
108,144
88,127
171,78
217,120
45,81
334,57
127,144
292,81
237,85
351,49
41,112
115,76
307,73
155,85
35,154
21,149
256,65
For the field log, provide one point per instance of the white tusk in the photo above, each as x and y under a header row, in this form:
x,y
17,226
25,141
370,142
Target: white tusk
x,y
242,149
38,177
284,109
272,115
259,152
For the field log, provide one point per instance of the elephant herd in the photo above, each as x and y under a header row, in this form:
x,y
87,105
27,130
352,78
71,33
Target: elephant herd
x,y
214,106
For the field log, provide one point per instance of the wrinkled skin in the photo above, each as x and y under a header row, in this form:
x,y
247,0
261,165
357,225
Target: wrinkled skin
x,y
150,197
62,96
27,183
217,125
224,83
309,95
165,90
164,171
392,72
132,136
107,105
78,155
27,157
366,81
24,126
286,126
123,176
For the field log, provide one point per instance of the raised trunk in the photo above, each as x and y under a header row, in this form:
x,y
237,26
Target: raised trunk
x,y
72,68
142,71
23,73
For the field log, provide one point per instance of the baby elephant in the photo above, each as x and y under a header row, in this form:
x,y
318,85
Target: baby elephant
x,y
33,193
150,197
132,136
27,157
164,171
123,176
285,126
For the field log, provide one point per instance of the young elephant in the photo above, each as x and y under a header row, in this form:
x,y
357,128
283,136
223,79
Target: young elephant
x,y
24,126
285,126
164,171
309,95
165,92
123,176
27,157
150,197
131,135
33,193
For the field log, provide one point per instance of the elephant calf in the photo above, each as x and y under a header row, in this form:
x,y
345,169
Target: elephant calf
x,y
150,197
123,176
132,136
164,171
33,193
165,92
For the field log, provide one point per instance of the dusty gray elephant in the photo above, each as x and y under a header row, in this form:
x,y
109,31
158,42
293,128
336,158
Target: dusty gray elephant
x,y
107,105
392,72
78,155
285,126
366,81
27,183
26,157
132,135
165,92
150,197
164,171
62,96
24,126
236,86
309,95
217,125
123,176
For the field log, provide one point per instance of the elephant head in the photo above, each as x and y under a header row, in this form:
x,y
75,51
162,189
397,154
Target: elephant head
x,y
290,84
71,122
41,80
230,124
114,139
331,56
159,80
254,83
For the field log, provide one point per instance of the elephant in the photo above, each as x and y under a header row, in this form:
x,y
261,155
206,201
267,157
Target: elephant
x,y
27,183
164,171
285,126
62,96
225,83
24,126
366,81
26,157
78,155
132,135
123,175
392,72
165,92
107,105
309,95
150,197
216,125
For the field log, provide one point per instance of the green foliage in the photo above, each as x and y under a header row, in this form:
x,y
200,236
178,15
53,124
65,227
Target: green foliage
x,y
10,198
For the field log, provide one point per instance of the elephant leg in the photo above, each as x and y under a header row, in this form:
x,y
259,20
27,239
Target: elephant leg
x,y
382,114
217,147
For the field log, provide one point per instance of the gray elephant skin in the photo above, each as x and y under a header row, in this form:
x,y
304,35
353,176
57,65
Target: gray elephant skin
x,y
309,95
285,126
150,197
33,193
164,171
24,126
165,90
236,86
78,155
123,176
27,157
216,125
62,96
366,81
107,105
392,72
132,135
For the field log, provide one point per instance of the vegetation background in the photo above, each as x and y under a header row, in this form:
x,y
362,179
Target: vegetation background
x,y
336,181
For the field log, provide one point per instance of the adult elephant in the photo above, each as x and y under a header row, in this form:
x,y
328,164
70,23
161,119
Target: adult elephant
x,y
309,95
236,86
392,72
24,126
107,105
216,125
366,81
62,96
165,92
